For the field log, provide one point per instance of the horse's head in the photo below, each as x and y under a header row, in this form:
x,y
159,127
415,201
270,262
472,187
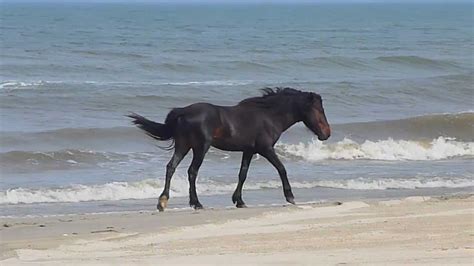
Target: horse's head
x,y
314,117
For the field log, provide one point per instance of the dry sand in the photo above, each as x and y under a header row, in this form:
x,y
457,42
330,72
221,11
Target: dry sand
x,y
411,231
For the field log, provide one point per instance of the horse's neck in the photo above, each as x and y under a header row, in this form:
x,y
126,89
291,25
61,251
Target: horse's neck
x,y
286,116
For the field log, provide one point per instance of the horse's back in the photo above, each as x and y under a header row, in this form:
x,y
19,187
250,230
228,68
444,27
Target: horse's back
x,y
199,111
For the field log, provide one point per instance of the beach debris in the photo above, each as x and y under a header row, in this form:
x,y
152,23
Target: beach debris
x,y
104,231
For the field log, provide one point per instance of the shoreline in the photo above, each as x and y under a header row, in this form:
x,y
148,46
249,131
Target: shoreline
x,y
413,230
263,198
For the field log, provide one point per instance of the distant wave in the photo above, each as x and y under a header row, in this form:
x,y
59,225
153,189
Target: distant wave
x,y
61,157
212,83
367,63
417,61
11,85
247,65
455,125
20,84
339,61
150,188
104,53
390,150
66,137
175,67
319,62
324,62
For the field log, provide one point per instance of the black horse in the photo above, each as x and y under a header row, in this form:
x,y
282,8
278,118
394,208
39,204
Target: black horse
x,y
252,126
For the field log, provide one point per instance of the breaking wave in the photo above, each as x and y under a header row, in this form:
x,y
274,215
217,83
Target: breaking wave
x,y
150,188
456,125
389,150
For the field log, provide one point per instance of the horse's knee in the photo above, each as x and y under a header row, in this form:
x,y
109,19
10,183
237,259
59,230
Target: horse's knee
x,y
170,170
192,172
191,175
170,167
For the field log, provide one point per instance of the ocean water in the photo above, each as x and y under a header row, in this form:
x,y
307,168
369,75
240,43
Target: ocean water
x,y
396,79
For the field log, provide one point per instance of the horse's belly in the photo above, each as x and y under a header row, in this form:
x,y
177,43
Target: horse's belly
x,y
231,144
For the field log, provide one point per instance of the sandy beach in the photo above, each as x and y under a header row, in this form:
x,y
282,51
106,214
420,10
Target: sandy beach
x,y
414,230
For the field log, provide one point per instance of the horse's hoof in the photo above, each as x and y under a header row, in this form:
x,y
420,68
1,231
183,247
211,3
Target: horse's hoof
x,y
291,200
241,205
197,206
160,209
162,203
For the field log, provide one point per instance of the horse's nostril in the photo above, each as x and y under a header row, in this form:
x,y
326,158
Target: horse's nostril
x,y
323,138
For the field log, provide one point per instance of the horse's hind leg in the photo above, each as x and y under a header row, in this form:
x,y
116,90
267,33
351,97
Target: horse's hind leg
x,y
237,196
179,152
198,156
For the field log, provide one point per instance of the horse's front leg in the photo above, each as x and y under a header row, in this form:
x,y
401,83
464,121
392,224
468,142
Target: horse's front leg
x,y
198,157
272,157
244,167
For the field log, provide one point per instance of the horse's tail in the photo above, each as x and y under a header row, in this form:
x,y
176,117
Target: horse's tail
x,y
156,130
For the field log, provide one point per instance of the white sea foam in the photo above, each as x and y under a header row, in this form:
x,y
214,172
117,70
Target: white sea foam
x,y
16,85
390,150
20,84
403,183
150,188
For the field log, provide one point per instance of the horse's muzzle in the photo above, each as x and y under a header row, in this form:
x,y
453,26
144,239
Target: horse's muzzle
x,y
325,132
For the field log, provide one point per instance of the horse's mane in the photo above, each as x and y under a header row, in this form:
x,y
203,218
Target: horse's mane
x,y
270,96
